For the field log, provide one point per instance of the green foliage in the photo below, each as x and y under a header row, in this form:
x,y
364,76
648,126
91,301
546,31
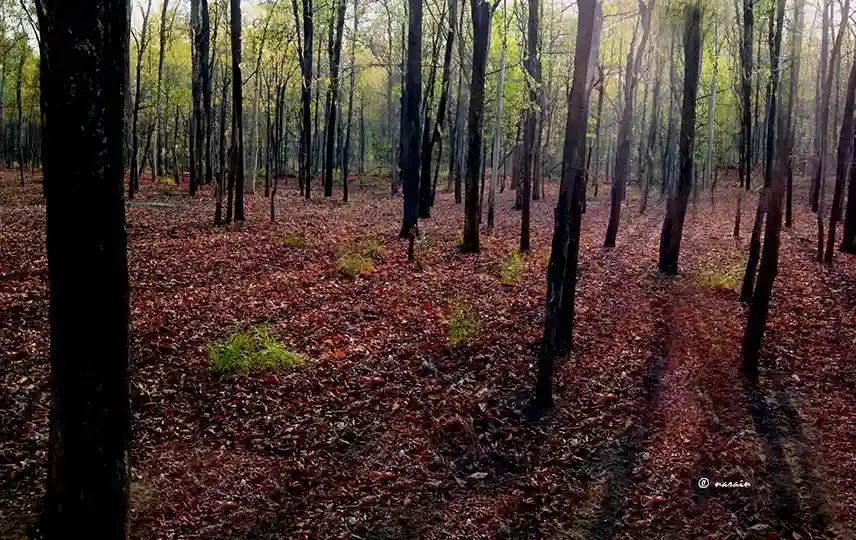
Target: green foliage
x,y
355,264
463,324
728,276
374,248
292,241
166,181
512,268
253,351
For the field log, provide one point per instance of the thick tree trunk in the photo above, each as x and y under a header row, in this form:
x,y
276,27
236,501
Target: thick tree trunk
x,y
673,224
85,47
622,158
564,253
410,132
481,36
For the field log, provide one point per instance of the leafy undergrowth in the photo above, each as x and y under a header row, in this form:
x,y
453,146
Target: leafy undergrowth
x,y
395,434
255,350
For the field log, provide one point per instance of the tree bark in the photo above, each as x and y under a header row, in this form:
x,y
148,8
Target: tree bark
x,y
335,53
845,151
622,158
481,36
796,49
673,224
237,110
533,68
134,180
346,154
564,253
85,48
497,137
224,99
821,114
410,132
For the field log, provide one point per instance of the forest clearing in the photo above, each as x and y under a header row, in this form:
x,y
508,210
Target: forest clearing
x,y
388,431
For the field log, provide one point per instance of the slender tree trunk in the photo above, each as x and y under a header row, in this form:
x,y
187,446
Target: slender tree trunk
x,y
19,139
335,53
410,131
648,167
821,116
533,67
85,48
134,180
224,100
673,224
564,253
237,110
845,150
346,154
622,159
497,137
711,107
796,49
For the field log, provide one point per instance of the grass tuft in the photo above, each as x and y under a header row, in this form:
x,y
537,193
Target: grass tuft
x,y
729,277
292,241
253,351
355,264
463,324
512,268
374,249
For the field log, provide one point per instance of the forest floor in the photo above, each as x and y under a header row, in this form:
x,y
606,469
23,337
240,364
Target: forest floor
x,y
388,432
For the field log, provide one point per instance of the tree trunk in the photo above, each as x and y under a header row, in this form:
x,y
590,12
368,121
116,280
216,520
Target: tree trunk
x,y
335,53
796,48
197,127
821,114
845,149
19,139
711,107
305,143
648,166
622,158
224,99
237,110
769,146
410,132
205,67
481,37
134,180
673,224
564,253
346,154
497,137
533,67
85,48
162,45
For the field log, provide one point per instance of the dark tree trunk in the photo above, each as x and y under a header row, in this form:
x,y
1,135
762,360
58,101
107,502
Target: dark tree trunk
x,y
622,158
673,224
237,111
845,150
454,163
19,140
197,128
769,143
206,66
158,170
346,154
409,141
647,172
428,144
481,35
564,253
820,113
533,67
335,52
85,48
304,152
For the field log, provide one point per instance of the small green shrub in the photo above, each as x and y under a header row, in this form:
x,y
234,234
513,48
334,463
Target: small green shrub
x,y
374,248
355,264
463,324
166,181
292,241
253,351
512,268
730,277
